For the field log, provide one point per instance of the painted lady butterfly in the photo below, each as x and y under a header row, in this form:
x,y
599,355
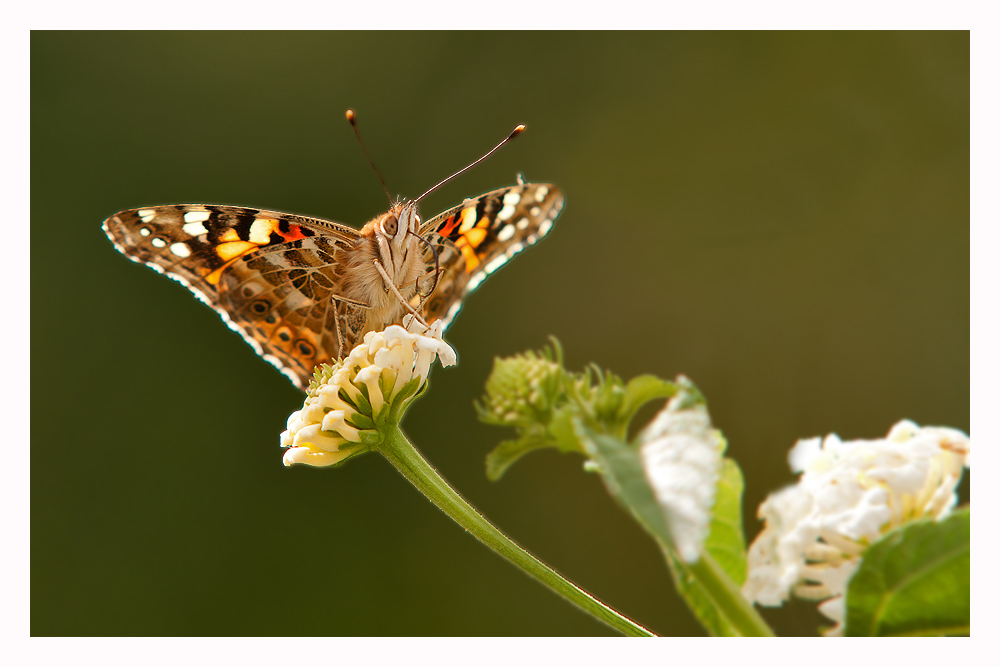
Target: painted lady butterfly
x,y
303,291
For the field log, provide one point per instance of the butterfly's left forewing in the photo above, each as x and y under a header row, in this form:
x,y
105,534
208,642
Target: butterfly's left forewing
x,y
269,275
481,235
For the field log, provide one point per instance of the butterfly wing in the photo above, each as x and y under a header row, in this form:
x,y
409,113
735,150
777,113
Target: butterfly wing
x,y
481,235
269,275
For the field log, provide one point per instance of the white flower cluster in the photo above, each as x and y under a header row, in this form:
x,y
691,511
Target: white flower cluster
x,y
681,454
361,387
849,495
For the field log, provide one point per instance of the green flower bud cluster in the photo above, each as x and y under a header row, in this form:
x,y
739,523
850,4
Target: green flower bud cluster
x,y
536,395
523,390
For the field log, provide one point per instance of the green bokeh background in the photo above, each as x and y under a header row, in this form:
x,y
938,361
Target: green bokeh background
x,y
783,217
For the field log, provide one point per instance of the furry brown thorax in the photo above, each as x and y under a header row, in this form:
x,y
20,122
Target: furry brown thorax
x,y
393,239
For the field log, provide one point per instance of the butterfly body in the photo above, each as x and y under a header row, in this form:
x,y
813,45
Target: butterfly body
x,y
304,291
391,239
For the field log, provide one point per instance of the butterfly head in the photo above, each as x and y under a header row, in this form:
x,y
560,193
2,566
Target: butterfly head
x,y
392,229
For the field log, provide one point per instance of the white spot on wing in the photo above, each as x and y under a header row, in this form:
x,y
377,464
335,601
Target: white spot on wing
x,y
159,243
194,228
505,233
197,216
541,192
147,214
180,249
496,263
143,232
260,231
452,312
535,211
468,219
506,212
522,223
475,280
514,249
511,198
544,228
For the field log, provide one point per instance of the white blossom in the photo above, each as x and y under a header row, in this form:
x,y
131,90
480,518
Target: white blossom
x,y
681,454
848,496
359,389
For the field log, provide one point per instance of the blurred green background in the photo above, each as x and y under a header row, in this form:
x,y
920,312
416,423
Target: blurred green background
x,y
783,217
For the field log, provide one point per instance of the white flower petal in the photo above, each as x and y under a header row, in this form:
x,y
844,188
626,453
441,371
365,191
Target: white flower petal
x,y
681,457
804,452
334,421
312,457
369,376
313,434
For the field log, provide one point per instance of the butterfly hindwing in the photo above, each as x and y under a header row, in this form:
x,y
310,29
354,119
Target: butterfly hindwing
x,y
479,236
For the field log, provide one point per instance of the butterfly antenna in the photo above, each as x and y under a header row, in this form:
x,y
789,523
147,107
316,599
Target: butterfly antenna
x,y
353,120
517,131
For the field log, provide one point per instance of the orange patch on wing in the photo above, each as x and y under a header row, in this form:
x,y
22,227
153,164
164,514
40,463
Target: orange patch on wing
x,y
229,253
232,250
475,236
449,226
471,259
294,233
229,235
213,277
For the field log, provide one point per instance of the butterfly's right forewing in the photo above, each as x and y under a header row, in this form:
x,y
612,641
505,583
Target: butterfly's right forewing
x,y
481,235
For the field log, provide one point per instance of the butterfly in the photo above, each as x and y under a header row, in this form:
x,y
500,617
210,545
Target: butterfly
x,y
304,291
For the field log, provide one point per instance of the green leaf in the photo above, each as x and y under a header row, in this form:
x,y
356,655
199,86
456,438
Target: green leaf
x,y
641,390
914,581
400,401
725,544
725,541
563,432
625,478
360,421
507,452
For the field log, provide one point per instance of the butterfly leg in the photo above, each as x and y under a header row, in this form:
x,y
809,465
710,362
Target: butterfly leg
x,y
416,281
350,302
392,286
336,299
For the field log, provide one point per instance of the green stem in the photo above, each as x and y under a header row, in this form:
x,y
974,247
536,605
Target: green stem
x,y
404,456
728,599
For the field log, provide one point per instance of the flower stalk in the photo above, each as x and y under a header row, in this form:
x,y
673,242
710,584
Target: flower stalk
x,y
728,599
408,461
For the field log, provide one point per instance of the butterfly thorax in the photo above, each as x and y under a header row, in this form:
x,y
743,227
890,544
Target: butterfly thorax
x,y
391,239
